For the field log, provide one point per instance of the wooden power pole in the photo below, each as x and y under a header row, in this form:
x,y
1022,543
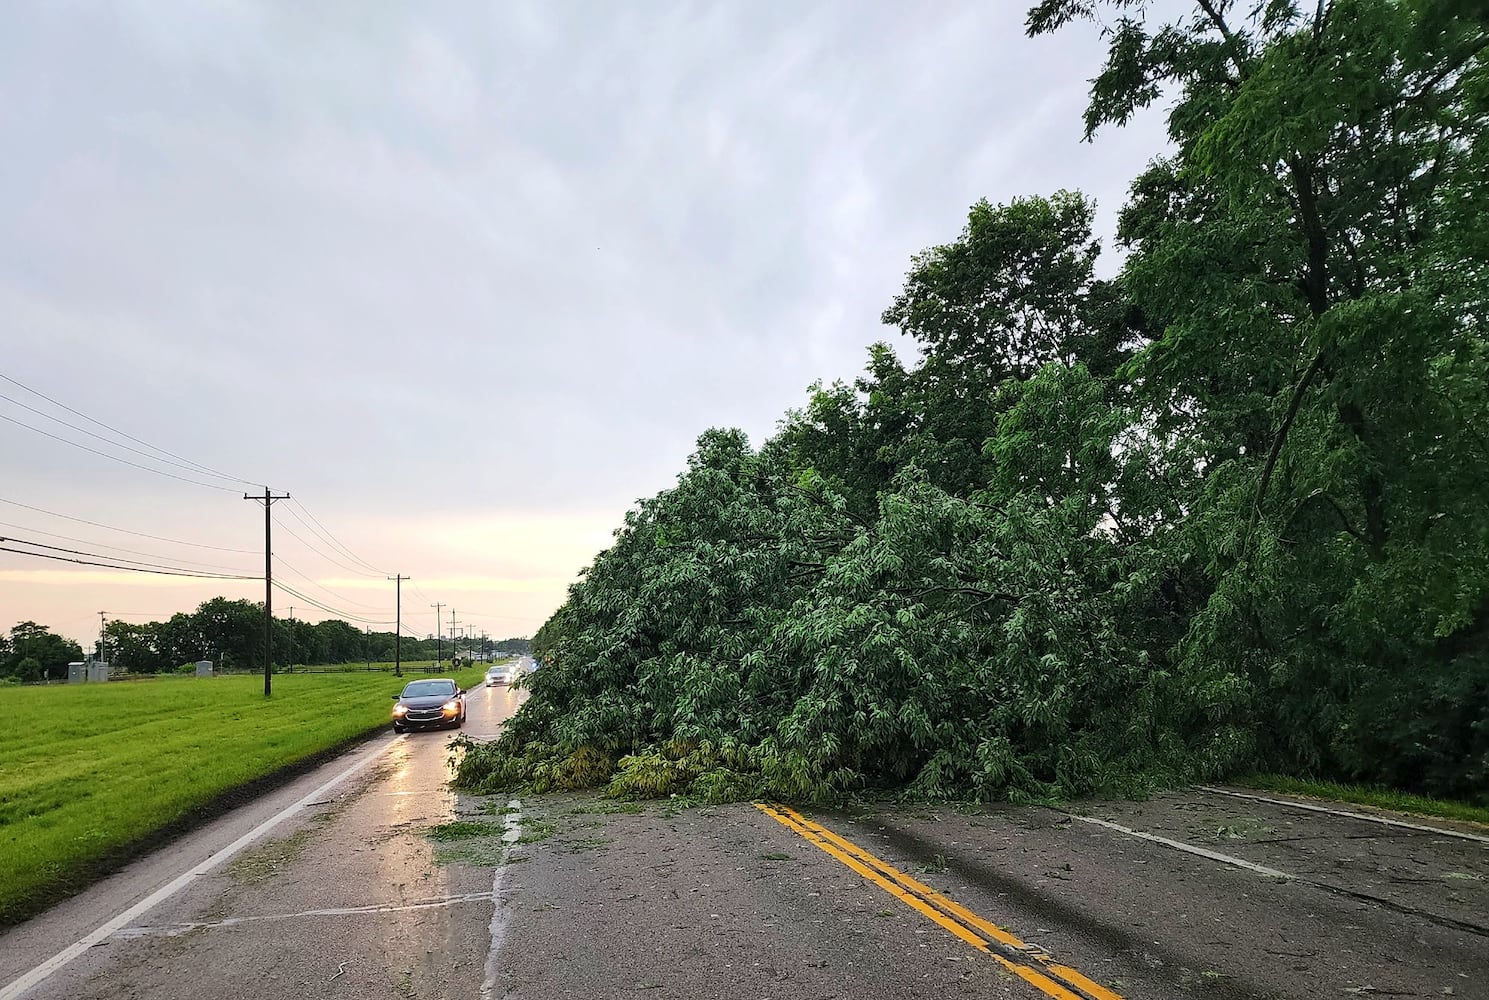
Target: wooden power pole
x,y
268,500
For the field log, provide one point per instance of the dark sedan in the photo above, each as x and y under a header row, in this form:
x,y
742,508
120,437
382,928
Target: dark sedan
x,y
429,704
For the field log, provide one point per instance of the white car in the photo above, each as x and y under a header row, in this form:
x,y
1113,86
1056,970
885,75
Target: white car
x,y
502,673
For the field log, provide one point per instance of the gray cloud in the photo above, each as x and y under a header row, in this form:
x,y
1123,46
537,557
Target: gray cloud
x,y
353,248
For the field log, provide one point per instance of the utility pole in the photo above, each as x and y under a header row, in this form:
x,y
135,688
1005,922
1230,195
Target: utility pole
x,y
268,501
398,626
439,632
101,624
292,639
453,652
367,646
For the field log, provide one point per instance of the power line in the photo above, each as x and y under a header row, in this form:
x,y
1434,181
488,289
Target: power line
x,y
118,559
116,548
318,551
132,569
116,458
83,430
115,430
314,583
125,531
500,618
324,607
346,615
326,534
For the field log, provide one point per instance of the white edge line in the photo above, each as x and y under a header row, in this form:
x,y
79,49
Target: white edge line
x,y
1179,845
20,986
513,823
1383,820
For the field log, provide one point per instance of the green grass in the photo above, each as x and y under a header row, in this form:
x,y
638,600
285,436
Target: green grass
x,y
91,772
1381,798
536,830
606,807
416,667
462,829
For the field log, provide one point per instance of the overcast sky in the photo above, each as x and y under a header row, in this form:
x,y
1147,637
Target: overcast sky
x,y
467,279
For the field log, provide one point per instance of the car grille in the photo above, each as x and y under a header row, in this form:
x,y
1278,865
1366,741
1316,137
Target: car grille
x,y
423,715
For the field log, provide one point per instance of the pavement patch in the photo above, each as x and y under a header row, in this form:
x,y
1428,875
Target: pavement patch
x,y
265,861
175,930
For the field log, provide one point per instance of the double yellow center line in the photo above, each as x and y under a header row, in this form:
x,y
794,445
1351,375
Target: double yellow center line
x,y
1028,962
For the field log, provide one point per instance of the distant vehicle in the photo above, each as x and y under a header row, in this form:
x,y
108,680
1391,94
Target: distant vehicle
x,y
502,673
429,704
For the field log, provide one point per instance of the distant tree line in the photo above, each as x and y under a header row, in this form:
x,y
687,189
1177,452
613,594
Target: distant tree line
x,y
1227,510
228,632
34,653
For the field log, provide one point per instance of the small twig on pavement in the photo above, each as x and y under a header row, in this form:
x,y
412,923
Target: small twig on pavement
x,y
340,971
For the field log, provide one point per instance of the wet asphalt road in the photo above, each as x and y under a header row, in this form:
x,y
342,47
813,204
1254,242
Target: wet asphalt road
x,y
1199,894
730,902
343,898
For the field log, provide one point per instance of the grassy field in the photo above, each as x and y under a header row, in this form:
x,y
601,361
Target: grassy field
x,y
90,772
377,666
1381,798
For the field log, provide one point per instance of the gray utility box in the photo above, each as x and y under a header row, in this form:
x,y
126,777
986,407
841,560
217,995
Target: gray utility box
x,y
89,670
204,668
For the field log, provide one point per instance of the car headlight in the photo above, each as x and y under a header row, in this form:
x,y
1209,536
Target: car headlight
x,y
451,706
400,709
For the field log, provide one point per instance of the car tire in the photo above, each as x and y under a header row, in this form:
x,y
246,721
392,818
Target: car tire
x,y
399,729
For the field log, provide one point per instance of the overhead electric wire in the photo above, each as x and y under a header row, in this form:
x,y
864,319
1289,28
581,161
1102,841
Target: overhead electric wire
x,y
315,603
123,434
314,583
320,552
334,540
118,559
116,548
116,444
132,569
127,531
325,533
337,548
116,458
501,618
344,615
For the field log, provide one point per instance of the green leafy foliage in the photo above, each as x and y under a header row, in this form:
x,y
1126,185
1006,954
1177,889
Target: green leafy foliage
x,y
34,653
1227,511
